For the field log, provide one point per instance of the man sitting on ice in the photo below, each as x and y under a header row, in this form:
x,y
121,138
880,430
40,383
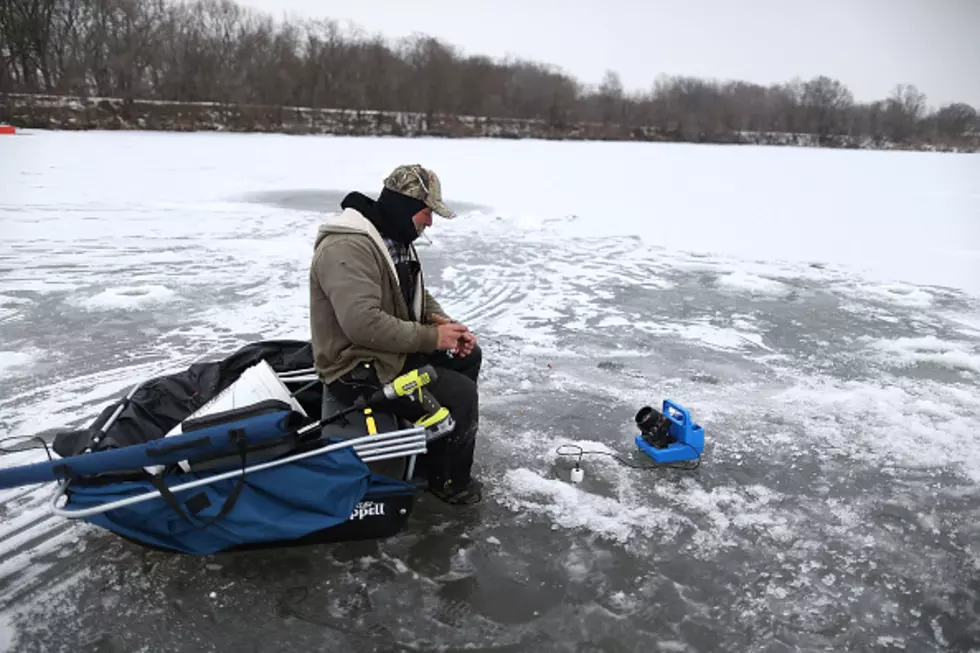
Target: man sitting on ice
x,y
372,318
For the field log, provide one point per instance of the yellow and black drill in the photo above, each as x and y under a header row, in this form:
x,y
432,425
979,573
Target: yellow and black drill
x,y
410,389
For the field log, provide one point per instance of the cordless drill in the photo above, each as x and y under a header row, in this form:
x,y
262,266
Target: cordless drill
x,y
410,387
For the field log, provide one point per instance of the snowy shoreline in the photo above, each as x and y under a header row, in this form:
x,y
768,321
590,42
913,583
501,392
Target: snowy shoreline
x,y
58,112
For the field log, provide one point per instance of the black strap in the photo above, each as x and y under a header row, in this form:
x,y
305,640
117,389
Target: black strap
x,y
171,501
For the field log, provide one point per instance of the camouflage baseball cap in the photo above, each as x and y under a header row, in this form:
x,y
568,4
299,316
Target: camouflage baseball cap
x,y
415,181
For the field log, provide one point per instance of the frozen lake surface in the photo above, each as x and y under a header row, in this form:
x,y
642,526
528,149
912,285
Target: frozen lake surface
x,y
817,311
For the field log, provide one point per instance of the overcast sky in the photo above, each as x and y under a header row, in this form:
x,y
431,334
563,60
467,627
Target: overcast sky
x,y
870,45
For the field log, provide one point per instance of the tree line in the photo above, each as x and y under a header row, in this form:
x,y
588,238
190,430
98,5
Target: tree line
x,y
219,51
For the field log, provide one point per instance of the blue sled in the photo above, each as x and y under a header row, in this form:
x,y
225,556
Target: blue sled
x,y
689,437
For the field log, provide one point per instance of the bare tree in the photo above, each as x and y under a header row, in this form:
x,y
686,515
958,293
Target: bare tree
x,y
480,87
953,121
434,75
825,103
905,108
610,97
25,26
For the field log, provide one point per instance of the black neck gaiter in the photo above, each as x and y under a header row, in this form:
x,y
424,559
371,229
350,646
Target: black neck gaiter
x,y
391,214
396,212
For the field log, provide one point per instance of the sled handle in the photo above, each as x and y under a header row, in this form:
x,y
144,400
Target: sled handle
x,y
377,451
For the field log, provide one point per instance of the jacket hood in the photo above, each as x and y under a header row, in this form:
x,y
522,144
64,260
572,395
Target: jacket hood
x,y
350,221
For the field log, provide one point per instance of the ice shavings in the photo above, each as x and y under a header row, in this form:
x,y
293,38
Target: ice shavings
x,y
615,321
903,295
741,335
126,298
900,294
635,503
568,506
741,281
713,519
13,362
967,325
919,424
621,603
904,352
531,491
710,336
8,635
11,306
889,641
716,502
450,273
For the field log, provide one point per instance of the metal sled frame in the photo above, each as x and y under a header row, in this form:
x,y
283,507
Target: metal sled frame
x,y
308,377
402,443
380,446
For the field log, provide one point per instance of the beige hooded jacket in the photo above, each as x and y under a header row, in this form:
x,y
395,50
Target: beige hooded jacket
x,y
357,312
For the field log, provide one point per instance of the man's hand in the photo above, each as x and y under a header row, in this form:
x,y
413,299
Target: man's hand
x,y
466,344
450,333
